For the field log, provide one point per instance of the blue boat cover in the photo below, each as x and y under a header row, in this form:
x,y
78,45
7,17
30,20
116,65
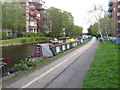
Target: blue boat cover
x,y
46,51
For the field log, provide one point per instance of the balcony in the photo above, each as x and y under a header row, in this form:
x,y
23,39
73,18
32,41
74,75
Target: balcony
x,y
110,9
32,13
110,4
32,7
40,9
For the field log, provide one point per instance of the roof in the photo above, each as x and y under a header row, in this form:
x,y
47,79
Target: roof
x,y
41,44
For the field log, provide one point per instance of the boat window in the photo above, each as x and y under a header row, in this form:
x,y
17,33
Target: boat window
x,y
37,48
37,54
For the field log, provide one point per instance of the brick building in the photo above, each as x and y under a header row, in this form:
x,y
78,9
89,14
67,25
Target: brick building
x,y
36,16
114,12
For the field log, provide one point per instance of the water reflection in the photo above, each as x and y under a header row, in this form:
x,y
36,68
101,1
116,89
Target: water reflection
x,y
17,53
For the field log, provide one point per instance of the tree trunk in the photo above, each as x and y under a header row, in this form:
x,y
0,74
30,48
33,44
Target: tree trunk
x,y
99,29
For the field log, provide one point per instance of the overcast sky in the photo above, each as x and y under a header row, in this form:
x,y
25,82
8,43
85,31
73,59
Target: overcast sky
x,y
78,8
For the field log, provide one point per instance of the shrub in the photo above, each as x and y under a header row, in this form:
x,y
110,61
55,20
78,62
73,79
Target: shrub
x,y
22,34
23,40
3,36
40,34
37,39
32,38
31,34
42,38
11,37
20,67
30,63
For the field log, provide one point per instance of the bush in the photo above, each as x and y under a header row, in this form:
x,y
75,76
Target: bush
x,y
31,34
32,39
40,34
25,64
11,37
37,39
23,40
20,67
3,36
22,34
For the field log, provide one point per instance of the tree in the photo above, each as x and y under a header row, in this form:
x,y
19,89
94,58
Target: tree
x,y
93,30
12,16
77,31
60,20
96,16
56,19
106,25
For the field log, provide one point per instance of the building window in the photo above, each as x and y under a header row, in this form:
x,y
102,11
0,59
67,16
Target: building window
x,y
118,6
118,21
118,29
114,9
118,14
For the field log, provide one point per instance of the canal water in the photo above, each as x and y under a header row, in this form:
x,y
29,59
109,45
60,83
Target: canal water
x,y
17,53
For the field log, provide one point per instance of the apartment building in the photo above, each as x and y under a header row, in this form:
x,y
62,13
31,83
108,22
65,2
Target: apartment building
x,y
114,12
36,16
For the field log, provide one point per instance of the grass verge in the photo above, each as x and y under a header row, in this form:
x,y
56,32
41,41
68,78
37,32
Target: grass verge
x,y
23,40
104,69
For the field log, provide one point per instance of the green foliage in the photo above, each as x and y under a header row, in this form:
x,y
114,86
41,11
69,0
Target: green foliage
x,y
118,36
22,34
31,34
37,39
25,64
78,31
106,25
93,30
32,39
23,40
104,69
3,35
12,37
39,34
20,67
12,16
61,20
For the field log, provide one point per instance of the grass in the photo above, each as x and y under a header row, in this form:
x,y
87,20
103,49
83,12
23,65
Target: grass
x,y
21,40
11,41
104,69
43,61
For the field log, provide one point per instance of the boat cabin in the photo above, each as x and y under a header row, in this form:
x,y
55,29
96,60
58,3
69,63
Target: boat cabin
x,y
42,50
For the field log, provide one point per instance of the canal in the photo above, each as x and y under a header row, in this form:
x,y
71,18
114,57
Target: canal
x,y
17,53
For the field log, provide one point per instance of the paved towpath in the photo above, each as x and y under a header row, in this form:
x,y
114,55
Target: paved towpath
x,y
73,76
43,76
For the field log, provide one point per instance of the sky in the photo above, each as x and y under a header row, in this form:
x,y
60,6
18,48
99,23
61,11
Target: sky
x,y
78,8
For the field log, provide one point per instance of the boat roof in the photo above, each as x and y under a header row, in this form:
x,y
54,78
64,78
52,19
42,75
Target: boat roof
x,y
42,44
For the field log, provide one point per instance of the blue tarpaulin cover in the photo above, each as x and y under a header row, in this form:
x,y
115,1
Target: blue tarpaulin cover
x,y
46,51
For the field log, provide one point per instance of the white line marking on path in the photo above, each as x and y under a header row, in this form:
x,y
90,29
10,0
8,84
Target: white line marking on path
x,y
34,80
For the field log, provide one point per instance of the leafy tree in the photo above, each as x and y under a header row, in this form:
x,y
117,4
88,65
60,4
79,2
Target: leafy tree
x,y
93,29
106,26
12,16
77,31
96,16
56,18
60,20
